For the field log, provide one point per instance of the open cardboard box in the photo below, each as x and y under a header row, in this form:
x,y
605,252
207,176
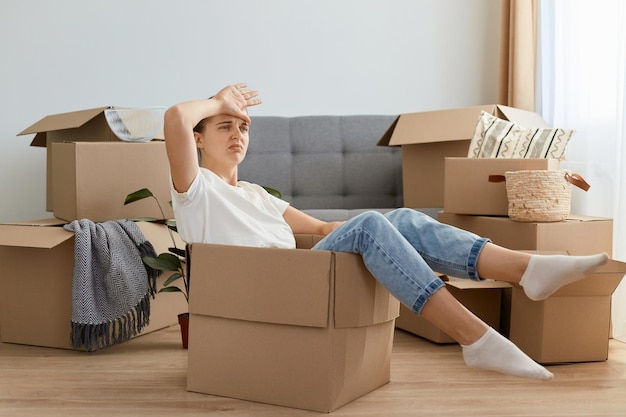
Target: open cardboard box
x,y
90,180
467,189
483,298
572,325
578,235
428,137
292,327
77,126
36,268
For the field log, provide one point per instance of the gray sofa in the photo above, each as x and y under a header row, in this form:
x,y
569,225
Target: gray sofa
x,y
327,166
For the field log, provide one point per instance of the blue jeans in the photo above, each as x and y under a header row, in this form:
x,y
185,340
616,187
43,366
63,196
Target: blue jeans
x,y
402,249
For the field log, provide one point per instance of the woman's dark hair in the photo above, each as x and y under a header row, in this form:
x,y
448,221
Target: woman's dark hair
x,y
200,126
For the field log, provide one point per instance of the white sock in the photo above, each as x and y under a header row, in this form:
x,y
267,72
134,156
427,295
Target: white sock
x,y
545,274
495,352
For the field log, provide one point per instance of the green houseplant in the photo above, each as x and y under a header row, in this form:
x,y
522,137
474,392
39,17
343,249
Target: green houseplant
x,y
174,260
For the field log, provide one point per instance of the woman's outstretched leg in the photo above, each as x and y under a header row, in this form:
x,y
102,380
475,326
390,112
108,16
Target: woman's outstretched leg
x,y
539,275
483,347
402,249
400,268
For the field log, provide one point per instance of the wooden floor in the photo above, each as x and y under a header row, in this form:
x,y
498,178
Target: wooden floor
x,y
147,377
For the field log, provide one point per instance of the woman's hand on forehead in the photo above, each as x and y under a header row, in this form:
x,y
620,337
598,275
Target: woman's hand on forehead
x,y
236,98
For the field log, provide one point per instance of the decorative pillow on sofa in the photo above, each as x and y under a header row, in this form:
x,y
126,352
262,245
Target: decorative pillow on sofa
x,y
497,138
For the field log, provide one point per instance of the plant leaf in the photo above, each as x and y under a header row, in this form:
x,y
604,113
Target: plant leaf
x,y
172,278
143,219
138,195
170,289
164,262
273,192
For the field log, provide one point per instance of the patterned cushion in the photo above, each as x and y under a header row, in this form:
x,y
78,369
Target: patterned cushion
x,y
497,138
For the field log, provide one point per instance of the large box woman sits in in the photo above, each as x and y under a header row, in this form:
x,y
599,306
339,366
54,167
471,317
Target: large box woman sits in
x,y
291,327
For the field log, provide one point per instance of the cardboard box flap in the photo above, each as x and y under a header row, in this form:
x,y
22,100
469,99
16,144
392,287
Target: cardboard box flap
x,y
269,285
601,283
436,126
468,284
359,299
63,121
38,223
307,241
451,124
521,117
386,138
70,120
581,218
34,235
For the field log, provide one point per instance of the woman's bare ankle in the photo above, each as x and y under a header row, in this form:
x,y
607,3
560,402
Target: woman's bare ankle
x,y
448,314
496,262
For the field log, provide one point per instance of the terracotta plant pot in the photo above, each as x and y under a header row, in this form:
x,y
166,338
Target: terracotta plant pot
x,y
183,320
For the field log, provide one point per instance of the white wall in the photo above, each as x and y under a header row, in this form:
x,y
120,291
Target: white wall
x,y
305,57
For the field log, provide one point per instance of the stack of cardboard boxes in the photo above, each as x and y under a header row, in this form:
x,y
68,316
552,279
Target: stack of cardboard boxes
x,y
300,328
89,173
571,326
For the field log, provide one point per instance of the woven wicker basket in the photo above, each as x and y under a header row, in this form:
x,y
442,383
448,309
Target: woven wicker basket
x,y
540,195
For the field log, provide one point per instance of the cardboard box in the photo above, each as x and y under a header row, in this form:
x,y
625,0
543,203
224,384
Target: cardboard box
x,y
572,325
578,235
92,179
36,268
483,298
82,125
427,138
297,328
467,189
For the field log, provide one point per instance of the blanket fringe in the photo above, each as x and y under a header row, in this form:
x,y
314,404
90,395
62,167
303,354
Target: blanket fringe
x,y
93,337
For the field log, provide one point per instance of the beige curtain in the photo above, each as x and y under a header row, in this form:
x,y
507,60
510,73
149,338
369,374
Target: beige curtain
x,y
518,52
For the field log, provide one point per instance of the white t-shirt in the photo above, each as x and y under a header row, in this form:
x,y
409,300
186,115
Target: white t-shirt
x,y
212,211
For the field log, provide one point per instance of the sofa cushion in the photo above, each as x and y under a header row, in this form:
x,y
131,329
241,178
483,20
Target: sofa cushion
x,y
325,162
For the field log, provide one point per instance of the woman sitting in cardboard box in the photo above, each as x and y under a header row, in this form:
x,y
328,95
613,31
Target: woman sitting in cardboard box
x,y
401,248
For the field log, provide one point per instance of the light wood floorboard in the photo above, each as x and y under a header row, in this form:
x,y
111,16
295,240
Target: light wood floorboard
x,y
147,376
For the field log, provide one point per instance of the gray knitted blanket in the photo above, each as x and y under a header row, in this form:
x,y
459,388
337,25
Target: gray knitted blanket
x,y
111,286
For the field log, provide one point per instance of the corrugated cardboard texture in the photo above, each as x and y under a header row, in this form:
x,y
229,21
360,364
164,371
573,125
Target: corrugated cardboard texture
x,y
359,299
572,325
309,368
36,268
428,137
484,299
261,284
307,241
467,189
579,235
88,125
299,328
91,180
298,287
423,170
